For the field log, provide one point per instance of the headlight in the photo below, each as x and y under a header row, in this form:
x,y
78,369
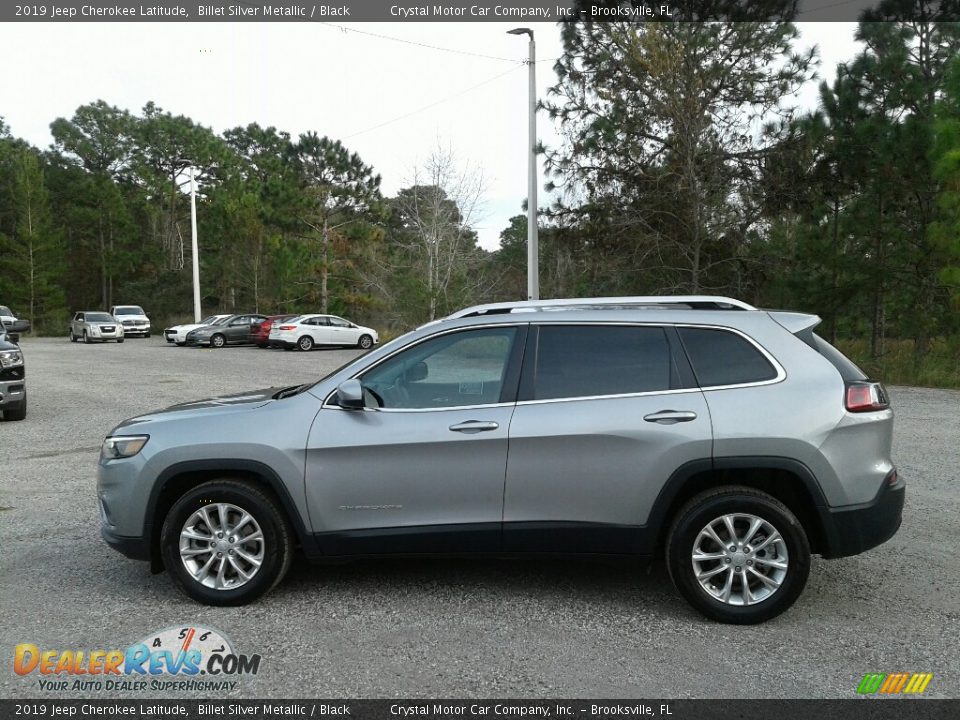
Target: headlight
x,y
122,446
11,358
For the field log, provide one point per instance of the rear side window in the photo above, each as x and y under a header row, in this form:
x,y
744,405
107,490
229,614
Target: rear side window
x,y
583,361
720,357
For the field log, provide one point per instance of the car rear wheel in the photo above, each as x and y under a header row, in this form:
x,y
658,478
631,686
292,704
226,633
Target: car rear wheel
x,y
365,342
226,542
305,343
218,341
738,555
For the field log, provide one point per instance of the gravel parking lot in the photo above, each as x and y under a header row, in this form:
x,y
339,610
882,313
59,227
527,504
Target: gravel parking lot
x,y
452,628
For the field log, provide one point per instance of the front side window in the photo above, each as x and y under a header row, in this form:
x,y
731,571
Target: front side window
x,y
463,368
591,360
721,357
339,322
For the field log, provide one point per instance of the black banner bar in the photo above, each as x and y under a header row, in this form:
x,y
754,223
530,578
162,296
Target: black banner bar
x,y
525,11
853,709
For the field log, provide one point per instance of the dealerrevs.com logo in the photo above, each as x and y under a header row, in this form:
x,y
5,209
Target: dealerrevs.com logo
x,y
190,658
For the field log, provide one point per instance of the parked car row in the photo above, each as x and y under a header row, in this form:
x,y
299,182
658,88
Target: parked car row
x,y
121,322
303,332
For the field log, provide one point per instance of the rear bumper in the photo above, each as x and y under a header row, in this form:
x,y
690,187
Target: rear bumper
x,y
853,530
135,548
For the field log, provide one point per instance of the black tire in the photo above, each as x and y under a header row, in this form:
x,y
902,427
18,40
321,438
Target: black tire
x,y
73,338
147,335
365,342
278,540
262,346
712,505
119,340
17,413
86,338
179,344
218,341
305,343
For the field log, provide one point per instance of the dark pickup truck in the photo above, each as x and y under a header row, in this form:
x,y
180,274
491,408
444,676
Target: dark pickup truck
x,y
13,384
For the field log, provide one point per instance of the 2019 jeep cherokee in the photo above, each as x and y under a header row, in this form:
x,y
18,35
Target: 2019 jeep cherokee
x,y
733,439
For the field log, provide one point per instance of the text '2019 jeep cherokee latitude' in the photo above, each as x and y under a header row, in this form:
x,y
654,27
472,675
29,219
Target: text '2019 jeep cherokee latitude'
x,y
733,439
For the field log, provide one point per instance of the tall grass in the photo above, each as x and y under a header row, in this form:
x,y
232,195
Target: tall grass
x,y
900,365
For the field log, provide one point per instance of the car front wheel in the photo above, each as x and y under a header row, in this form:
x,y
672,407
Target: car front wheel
x,y
365,342
226,542
738,555
218,341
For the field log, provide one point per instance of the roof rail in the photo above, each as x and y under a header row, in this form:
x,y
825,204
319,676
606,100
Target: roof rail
x,y
685,302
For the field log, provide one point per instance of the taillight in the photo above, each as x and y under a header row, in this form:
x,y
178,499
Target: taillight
x,y
287,327
866,396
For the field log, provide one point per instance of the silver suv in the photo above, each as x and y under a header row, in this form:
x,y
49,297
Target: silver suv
x,y
732,439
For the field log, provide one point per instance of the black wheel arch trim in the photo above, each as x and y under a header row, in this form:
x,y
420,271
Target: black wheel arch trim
x,y
658,521
254,467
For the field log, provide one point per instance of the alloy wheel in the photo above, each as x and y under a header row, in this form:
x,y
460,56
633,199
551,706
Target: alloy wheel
x,y
222,546
740,559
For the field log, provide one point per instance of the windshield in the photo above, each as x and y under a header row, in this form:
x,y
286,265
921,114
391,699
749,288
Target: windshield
x,y
219,319
99,317
4,310
128,310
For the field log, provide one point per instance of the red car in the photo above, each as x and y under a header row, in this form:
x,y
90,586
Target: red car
x,y
260,332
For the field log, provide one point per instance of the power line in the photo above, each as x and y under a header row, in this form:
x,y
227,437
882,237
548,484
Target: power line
x,y
346,29
435,103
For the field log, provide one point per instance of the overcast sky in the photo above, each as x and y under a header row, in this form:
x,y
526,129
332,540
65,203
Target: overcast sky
x,y
299,77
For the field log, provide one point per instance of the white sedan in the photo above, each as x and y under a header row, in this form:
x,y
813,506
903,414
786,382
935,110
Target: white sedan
x,y
305,331
178,333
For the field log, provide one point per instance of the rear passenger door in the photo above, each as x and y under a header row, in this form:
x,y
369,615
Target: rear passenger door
x,y
606,413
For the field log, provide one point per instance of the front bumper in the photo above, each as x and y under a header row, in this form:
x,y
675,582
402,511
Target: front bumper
x,y
853,530
13,388
136,330
135,548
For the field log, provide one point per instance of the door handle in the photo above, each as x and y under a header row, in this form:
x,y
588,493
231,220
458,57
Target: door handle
x,y
474,426
669,417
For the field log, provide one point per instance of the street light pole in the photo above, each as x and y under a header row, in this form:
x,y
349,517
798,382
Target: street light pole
x,y
533,259
194,248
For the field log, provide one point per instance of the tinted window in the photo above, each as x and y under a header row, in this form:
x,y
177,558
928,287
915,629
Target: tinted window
x,y
464,368
339,322
99,317
580,361
720,357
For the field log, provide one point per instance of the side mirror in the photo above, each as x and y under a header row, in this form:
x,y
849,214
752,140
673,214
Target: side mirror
x,y
416,372
19,326
350,395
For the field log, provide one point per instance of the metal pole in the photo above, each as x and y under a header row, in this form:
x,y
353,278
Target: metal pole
x,y
533,254
194,248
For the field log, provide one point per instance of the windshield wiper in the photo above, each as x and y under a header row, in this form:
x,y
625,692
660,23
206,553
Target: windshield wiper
x,y
289,391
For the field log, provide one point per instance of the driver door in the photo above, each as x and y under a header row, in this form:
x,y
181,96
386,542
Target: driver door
x,y
422,468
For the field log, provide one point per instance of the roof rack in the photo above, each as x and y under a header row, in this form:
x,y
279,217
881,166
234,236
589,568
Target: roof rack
x,y
682,302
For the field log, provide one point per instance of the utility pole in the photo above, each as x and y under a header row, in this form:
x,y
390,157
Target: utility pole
x,y
194,247
533,251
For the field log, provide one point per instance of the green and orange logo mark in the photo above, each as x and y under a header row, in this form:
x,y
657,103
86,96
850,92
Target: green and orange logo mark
x,y
894,683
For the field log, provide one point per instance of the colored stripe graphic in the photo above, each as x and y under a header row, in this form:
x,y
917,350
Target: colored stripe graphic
x,y
894,683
